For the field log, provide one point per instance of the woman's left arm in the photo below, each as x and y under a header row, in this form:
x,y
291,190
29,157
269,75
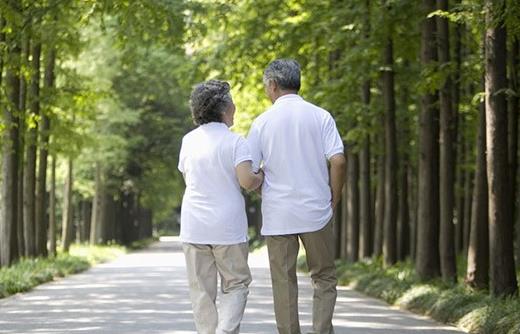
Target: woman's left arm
x,y
247,179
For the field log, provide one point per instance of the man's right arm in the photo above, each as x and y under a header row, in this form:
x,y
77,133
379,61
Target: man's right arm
x,y
337,177
253,139
333,149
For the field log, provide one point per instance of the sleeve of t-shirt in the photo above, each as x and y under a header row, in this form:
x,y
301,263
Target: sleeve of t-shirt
x,y
332,142
253,139
182,157
242,152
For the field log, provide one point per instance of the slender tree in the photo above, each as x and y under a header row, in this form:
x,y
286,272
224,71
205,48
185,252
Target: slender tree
x,y
365,193
337,229
412,191
403,227
380,195
478,250
391,204
459,191
67,222
459,156
44,135
514,109
515,105
427,256
405,211
447,154
365,210
95,218
503,275
3,228
352,206
31,229
21,142
9,180
468,202
52,209
344,221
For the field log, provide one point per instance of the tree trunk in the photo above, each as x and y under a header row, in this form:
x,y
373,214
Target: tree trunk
x,y
108,218
128,216
9,180
412,191
365,210
344,216
44,130
134,214
514,109
3,136
31,229
447,156
460,140
21,147
147,223
97,217
52,209
380,202
352,206
503,275
391,197
84,230
405,210
477,274
365,214
427,257
40,228
460,178
403,230
517,50
468,203
102,220
67,219
338,228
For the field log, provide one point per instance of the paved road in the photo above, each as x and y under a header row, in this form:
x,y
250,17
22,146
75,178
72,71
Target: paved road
x,y
147,292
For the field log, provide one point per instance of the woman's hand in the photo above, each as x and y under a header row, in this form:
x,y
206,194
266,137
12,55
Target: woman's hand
x,y
259,189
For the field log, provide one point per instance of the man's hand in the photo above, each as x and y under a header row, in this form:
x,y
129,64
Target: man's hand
x,y
337,177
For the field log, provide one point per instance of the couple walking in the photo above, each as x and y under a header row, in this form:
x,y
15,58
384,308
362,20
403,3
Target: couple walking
x,y
288,153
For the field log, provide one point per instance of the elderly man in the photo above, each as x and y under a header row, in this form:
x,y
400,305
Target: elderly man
x,y
293,141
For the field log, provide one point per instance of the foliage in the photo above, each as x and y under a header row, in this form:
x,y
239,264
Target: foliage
x,y
471,310
100,109
142,244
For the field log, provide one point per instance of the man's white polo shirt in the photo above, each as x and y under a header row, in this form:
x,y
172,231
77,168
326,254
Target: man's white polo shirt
x,y
293,141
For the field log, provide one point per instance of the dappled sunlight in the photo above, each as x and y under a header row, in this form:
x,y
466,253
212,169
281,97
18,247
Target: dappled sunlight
x,y
147,292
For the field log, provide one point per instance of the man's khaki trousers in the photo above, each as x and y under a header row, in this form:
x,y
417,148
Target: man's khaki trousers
x,y
283,253
204,263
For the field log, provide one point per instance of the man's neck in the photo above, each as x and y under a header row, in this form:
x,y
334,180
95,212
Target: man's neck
x,y
283,93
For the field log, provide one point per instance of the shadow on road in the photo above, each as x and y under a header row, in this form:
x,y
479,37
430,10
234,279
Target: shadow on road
x,y
147,292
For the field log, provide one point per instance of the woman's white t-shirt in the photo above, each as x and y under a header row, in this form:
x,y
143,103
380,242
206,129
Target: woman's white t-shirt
x,y
213,208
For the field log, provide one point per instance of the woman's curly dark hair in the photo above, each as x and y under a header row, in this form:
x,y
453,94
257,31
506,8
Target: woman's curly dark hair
x,y
209,101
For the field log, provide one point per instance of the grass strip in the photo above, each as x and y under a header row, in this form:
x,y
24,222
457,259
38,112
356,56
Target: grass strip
x,y
466,308
30,272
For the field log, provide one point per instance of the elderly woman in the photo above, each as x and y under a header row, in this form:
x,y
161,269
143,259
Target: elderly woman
x,y
215,162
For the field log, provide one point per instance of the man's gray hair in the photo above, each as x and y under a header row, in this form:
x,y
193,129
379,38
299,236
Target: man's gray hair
x,y
285,72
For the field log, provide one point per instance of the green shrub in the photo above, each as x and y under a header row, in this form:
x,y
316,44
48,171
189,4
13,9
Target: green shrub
x,y
474,311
